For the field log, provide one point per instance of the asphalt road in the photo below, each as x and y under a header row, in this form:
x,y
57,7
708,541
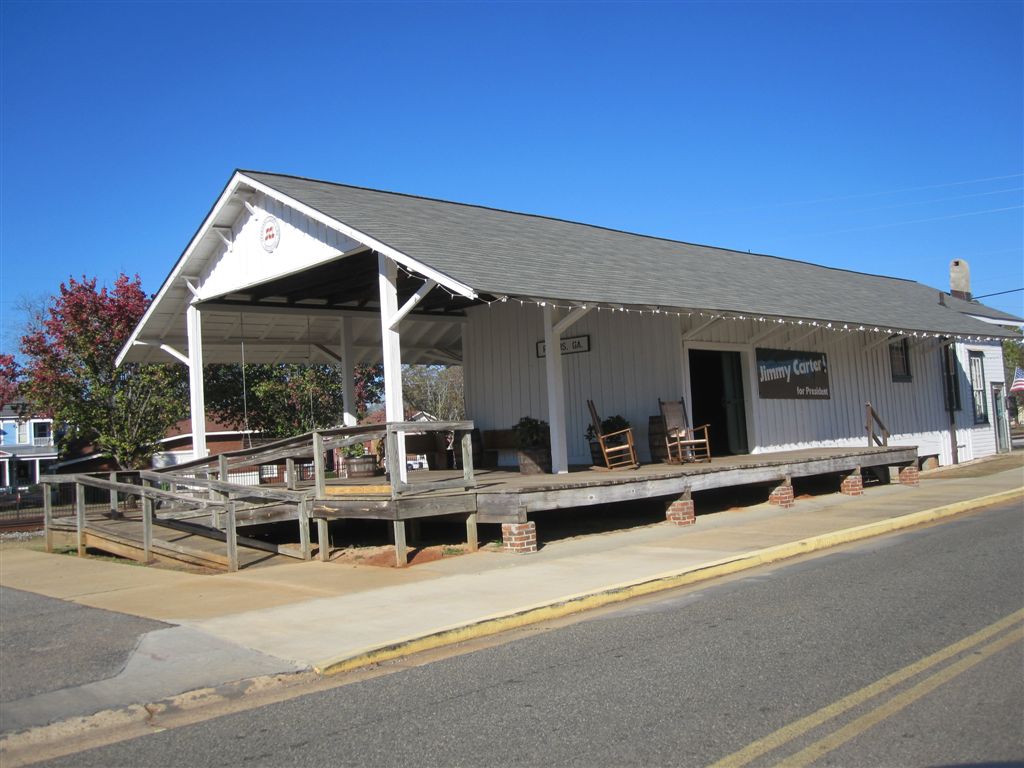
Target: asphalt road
x,y
49,644
691,677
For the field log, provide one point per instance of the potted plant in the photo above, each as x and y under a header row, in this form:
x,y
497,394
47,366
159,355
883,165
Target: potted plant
x,y
612,424
357,463
533,439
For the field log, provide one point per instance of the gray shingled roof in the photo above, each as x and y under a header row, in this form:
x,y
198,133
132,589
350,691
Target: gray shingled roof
x,y
505,253
975,307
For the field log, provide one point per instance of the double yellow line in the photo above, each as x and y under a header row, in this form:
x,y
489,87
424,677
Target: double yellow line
x,y
1014,623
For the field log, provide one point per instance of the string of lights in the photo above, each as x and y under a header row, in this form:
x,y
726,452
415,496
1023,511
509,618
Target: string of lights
x,y
826,325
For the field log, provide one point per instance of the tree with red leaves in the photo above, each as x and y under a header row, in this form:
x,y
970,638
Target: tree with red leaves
x,y
71,347
9,375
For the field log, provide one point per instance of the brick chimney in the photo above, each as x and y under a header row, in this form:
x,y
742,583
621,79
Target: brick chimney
x,y
960,279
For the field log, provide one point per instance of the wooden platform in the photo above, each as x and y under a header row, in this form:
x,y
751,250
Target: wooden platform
x,y
505,495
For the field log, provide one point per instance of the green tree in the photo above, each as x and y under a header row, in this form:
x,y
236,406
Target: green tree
x,y
283,400
435,389
70,347
1013,357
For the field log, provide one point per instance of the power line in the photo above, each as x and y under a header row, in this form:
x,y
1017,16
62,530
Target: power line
x,y
999,293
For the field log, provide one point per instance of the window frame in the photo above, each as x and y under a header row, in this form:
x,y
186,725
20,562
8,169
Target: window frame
x,y
899,349
951,379
978,393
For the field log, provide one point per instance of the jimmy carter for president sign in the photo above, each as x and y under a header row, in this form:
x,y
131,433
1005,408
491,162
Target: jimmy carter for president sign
x,y
783,374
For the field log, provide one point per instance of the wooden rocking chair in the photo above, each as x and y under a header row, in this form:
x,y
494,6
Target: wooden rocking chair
x,y
683,442
617,448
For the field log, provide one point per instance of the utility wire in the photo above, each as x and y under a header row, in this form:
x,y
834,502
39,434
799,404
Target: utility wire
x,y
999,293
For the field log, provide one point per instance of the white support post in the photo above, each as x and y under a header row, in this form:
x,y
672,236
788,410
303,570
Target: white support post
x,y
195,382
410,305
394,407
348,373
556,393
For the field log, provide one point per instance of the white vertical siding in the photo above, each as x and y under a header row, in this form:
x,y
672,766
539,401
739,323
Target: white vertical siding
x,y
635,359
979,438
913,411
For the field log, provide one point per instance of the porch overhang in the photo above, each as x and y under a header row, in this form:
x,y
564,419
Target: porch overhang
x,y
294,313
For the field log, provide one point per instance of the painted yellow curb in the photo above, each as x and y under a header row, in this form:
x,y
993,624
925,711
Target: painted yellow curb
x,y
492,625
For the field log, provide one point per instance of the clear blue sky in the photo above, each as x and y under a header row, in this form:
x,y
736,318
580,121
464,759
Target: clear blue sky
x,y
882,137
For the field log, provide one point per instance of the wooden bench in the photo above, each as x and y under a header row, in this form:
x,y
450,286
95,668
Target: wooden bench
x,y
496,440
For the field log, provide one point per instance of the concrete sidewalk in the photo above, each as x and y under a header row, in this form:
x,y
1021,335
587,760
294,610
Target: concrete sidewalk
x,y
327,616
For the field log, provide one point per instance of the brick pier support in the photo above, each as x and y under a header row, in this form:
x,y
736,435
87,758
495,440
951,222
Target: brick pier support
x,y
910,475
519,538
680,511
853,484
782,494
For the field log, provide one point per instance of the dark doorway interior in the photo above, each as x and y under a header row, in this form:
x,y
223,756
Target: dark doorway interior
x,y
716,390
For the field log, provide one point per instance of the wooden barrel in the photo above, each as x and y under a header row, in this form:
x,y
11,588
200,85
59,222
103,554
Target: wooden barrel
x,y
656,438
361,466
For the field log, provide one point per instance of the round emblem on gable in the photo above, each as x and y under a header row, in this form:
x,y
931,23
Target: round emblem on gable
x,y
270,234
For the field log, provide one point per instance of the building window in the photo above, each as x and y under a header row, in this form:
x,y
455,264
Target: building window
x,y
899,360
23,433
978,387
951,377
41,433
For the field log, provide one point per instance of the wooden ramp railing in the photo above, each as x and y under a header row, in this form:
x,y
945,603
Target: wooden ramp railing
x,y
197,496
872,418
313,446
179,504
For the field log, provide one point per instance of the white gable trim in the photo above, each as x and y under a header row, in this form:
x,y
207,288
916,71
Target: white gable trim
x,y
355,234
178,270
207,228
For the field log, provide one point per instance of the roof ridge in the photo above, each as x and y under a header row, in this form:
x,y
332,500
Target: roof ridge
x,y
578,223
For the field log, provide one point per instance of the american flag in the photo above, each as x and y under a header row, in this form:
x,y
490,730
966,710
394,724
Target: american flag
x,y
1018,380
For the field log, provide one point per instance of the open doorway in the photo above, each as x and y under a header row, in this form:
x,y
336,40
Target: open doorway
x,y
717,399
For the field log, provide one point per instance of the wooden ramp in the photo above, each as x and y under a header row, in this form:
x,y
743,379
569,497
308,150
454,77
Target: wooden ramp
x,y
182,544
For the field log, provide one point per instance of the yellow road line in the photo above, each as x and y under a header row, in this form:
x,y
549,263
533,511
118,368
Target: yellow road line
x,y
793,730
851,730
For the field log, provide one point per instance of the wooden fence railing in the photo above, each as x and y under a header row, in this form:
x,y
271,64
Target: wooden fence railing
x,y
871,418
315,445
200,488
215,500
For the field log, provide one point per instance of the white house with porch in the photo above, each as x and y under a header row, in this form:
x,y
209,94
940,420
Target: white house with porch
x,y
27,448
774,354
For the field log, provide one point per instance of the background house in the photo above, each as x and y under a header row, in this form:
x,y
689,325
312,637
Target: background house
x,y
27,447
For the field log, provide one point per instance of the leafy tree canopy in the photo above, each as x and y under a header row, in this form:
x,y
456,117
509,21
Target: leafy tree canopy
x,y
435,389
283,400
9,375
70,347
